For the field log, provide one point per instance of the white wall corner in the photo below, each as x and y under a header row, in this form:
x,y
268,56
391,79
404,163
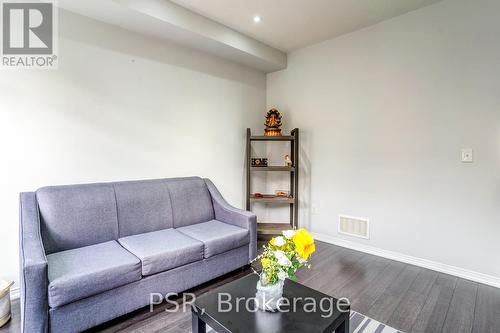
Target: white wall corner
x,y
429,264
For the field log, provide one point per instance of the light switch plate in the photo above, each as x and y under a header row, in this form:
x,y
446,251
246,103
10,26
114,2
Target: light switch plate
x,y
467,155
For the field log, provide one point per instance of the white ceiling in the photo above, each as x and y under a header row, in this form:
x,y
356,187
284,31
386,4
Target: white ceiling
x,y
166,20
226,27
291,24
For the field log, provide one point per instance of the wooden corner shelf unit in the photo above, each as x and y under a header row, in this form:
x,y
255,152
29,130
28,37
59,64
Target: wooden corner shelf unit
x,y
269,229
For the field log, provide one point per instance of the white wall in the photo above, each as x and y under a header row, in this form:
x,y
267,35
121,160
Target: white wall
x,y
384,113
121,106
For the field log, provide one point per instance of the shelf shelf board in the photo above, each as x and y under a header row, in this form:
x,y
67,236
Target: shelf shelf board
x,y
273,168
272,199
272,138
272,228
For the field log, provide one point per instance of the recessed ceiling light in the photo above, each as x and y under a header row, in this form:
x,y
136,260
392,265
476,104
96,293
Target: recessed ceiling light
x,y
257,19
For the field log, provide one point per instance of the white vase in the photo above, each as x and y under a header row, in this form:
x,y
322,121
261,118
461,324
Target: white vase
x,y
268,296
4,302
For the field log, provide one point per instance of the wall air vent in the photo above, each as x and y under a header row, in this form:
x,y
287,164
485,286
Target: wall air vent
x,y
354,226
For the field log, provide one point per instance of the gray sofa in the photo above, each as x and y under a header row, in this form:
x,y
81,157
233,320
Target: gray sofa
x,y
90,253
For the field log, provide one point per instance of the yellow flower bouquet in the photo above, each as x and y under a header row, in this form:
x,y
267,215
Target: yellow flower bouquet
x,y
281,259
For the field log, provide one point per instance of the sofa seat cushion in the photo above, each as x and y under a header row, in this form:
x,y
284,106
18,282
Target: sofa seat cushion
x,y
86,271
217,236
163,250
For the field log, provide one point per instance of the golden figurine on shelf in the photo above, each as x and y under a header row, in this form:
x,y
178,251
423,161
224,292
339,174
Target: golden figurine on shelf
x,y
273,123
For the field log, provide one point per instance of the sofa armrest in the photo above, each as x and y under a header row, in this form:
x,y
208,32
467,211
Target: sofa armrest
x,y
226,213
33,264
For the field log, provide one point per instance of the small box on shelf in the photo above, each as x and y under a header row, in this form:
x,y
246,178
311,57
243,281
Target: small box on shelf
x,y
258,162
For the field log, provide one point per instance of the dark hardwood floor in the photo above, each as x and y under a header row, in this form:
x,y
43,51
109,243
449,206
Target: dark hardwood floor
x,y
409,298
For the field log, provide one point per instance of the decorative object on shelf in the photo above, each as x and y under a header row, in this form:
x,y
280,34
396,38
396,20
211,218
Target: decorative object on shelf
x,y
280,260
259,162
288,161
5,301
258,195
273,123
282,193
272,198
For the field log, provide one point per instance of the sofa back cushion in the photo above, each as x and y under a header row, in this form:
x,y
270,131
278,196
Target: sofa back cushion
x,y
77,215
191,201
80,215
143,206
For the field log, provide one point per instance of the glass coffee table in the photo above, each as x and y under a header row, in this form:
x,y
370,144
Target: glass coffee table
x,y
231,308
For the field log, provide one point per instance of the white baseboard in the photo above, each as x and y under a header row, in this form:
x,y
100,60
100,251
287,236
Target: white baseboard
x,y
433,265
15,293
